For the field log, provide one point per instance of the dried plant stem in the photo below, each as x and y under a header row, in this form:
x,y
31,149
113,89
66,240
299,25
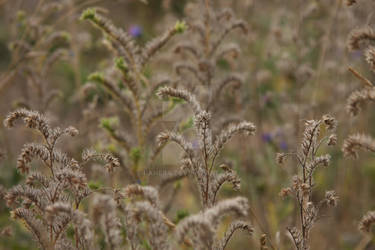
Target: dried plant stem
x,y
302,186
13,66
363,79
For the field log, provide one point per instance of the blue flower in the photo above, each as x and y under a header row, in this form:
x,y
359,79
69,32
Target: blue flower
x,y
267,137
135,31
283,145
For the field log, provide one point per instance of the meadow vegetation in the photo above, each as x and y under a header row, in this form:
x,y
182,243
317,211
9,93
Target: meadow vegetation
x,y
187,124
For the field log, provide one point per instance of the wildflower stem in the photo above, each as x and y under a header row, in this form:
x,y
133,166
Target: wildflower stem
x,y
361,77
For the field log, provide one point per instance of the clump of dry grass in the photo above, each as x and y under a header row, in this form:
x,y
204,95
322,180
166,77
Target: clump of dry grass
x,y
201,161
198,162
356,142
361,39
38,46
303,183
203,226
135,95
49,199
64,210
206,47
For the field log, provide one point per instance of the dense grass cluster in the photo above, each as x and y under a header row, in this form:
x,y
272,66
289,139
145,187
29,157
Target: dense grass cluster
x,y
162,154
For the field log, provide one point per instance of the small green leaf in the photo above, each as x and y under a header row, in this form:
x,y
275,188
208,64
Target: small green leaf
x,y
66,36
176,100
146,245
96,76
181,214
21,15
70,232
120,64
188,124
94,185
112,148
88,14
108,123
180,26
135,154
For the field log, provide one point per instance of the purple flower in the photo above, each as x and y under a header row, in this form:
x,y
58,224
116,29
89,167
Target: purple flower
x,y
267,137
283,145
135,31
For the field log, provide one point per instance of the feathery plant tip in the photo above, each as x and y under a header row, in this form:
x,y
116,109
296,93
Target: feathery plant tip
x,y
180,27
88,14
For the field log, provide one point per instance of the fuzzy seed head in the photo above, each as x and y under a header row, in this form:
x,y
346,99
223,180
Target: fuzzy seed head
x,y
366,222
330,122
370,57
88,14
332,140
280,158
331,198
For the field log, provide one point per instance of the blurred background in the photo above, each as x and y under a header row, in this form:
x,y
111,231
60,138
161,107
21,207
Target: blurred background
x,y
295,62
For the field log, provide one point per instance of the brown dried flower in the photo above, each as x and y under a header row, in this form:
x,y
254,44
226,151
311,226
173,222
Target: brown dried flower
x,y
367,220
280,158
357,141
358,36
332,140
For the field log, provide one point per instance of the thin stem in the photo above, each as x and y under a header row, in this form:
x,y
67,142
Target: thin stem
x,y
302,218
294,240
363,79
205,161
